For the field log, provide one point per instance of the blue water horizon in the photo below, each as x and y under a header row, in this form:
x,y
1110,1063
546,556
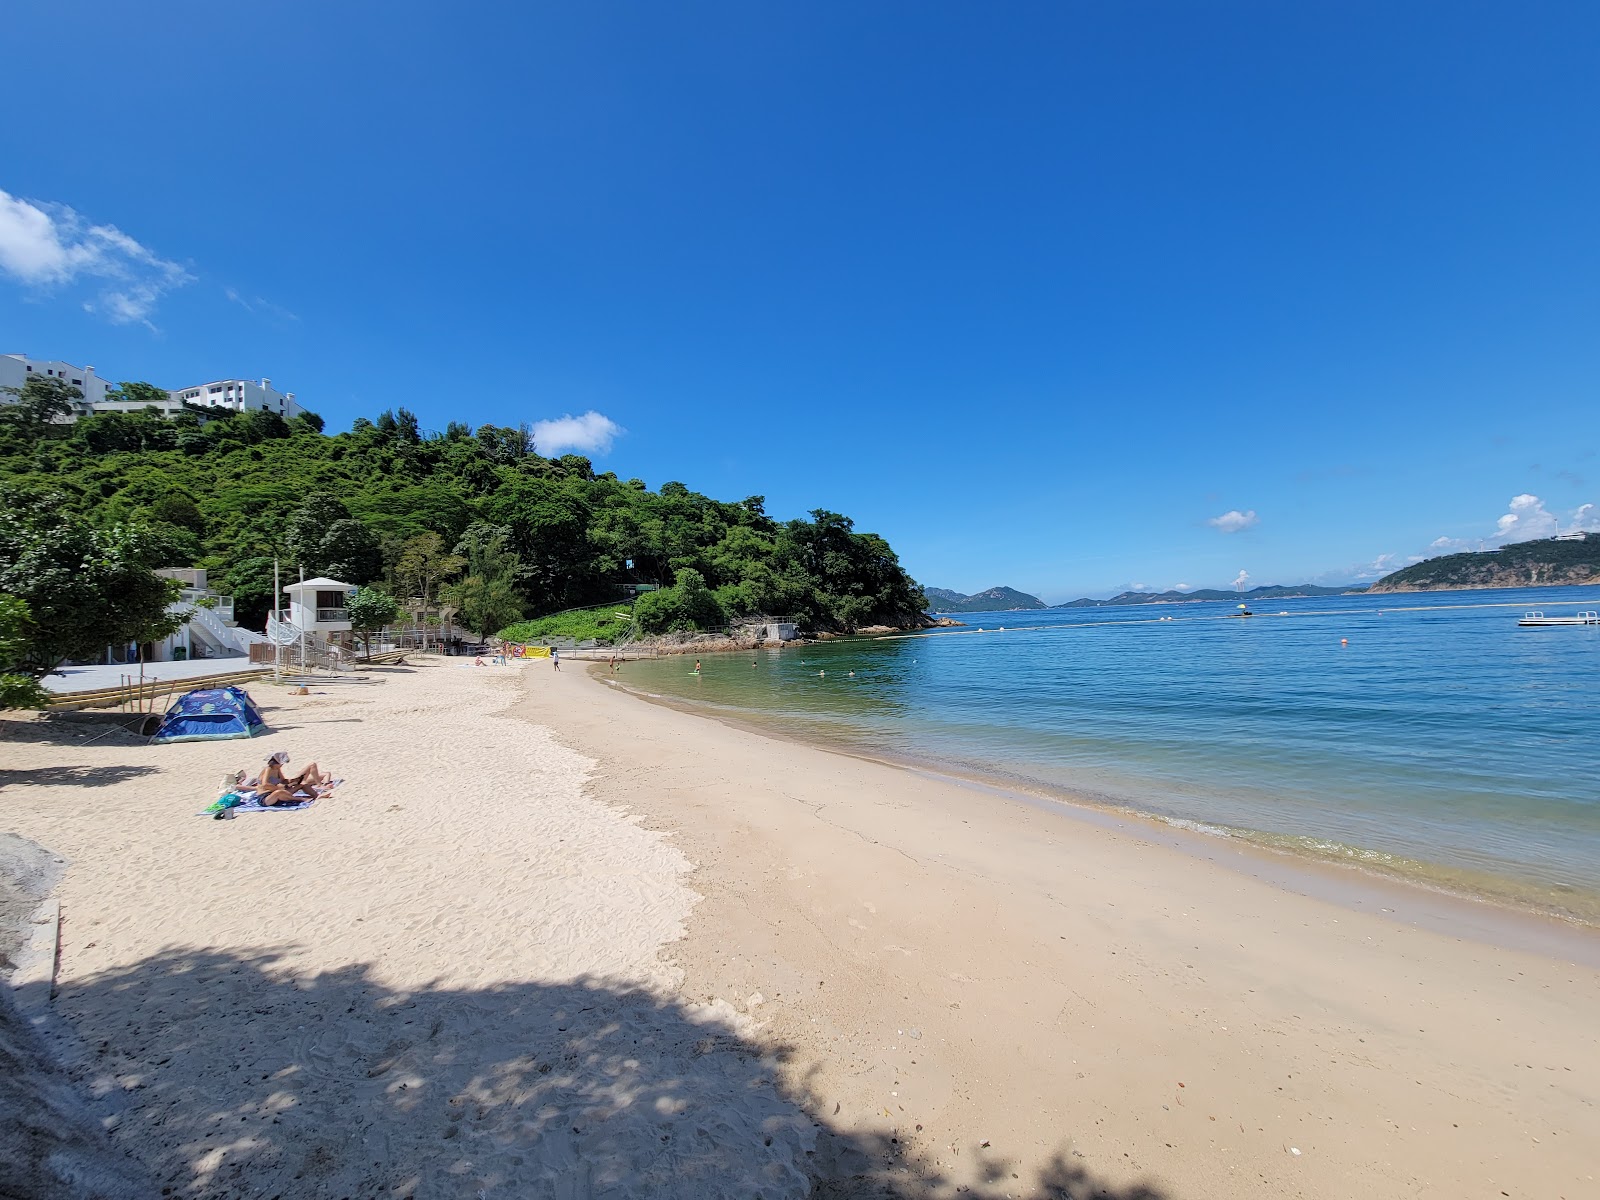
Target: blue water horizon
x,y
1422,734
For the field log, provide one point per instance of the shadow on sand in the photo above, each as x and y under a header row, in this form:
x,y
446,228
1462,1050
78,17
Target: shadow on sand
x,y
232,1077
104,776
56,729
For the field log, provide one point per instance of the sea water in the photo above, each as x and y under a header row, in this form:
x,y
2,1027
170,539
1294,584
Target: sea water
x,y
1421,734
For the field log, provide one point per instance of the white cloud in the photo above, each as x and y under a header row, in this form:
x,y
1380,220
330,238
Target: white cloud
x,y
1183,587
47,246
255,304
1240,580
1385,564
1525,519
591,433
1233,520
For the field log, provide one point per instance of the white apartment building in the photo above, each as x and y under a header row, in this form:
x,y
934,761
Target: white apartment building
x,y
235,395
15,369
240,395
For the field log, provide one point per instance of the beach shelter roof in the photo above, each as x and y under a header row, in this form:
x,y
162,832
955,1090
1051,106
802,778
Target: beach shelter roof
x,y
320,584
210,713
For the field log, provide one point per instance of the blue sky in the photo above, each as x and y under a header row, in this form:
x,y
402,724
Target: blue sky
x,y
1041,292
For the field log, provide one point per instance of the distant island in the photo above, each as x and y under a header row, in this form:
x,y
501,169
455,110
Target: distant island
x,y
1547,562
1568,560
1005,599
996,599
1173,596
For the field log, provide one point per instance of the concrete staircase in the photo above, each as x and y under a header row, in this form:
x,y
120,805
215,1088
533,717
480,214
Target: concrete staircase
x,y
223,639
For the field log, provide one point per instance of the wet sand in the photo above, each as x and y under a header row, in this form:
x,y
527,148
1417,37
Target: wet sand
x,y
991,968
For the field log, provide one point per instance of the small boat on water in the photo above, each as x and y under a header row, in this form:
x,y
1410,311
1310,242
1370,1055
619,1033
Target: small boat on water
x,y
1531,619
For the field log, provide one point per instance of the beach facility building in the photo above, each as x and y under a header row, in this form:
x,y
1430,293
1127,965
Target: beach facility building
x,y
319,607
210,632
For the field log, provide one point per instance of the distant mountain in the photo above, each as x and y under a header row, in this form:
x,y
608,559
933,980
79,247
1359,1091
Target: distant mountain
x,y
996,599
1548,562
1268,592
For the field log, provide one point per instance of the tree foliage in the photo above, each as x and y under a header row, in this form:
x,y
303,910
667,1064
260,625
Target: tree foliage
x,y
423,564
369,610
393,503
38,403
140,392
85,588
487,598
17,689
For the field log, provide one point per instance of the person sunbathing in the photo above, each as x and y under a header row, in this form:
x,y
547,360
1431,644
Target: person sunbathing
x,y
282,796
273,777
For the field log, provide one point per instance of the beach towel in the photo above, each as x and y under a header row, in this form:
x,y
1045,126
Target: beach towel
x,y
249,802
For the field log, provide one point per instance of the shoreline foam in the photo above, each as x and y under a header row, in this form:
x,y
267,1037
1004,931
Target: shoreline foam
x,y
1574,906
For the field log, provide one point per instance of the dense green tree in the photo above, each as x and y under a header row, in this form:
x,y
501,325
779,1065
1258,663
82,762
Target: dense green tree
x,y
423,565
85,588
250,582
325,539
369,610
486,599
485,604
140,393
17,689
350,553
175,508
351,505
40,401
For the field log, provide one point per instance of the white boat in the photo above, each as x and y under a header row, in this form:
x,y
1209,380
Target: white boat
x,y
1530,619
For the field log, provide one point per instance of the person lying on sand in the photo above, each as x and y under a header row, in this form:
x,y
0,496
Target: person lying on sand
x,y
272,787
273,777
283,796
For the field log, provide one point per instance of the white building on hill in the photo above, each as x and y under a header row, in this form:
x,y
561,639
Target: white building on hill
x,y
235,395
15,369
240,395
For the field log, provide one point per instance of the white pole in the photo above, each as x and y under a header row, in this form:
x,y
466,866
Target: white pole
x,y
277,645
303,666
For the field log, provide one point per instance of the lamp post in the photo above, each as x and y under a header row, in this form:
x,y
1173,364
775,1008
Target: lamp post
x,y
277,644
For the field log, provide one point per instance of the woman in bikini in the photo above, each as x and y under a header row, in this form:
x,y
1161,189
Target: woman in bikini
x,y
275,787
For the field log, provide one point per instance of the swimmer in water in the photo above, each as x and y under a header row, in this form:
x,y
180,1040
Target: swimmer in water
x,y
852,674
697,666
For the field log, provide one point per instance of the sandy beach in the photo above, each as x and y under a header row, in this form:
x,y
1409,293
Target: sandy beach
x,y
552,940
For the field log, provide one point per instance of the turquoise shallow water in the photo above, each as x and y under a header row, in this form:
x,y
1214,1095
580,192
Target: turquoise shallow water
x,y
1442,741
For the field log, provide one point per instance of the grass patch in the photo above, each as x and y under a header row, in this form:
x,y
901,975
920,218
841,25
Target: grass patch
x,y
606,626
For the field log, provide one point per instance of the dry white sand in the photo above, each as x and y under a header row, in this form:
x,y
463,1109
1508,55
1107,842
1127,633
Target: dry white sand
x,y
445,980
480,970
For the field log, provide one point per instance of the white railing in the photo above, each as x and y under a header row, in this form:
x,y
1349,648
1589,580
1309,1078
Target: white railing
x,y
331,614
227,637
283,633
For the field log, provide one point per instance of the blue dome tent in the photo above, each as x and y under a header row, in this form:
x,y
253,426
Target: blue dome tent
x,y
210,714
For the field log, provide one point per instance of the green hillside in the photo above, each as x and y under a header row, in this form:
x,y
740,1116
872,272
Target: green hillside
x,y
515,533
1547,562
995,599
